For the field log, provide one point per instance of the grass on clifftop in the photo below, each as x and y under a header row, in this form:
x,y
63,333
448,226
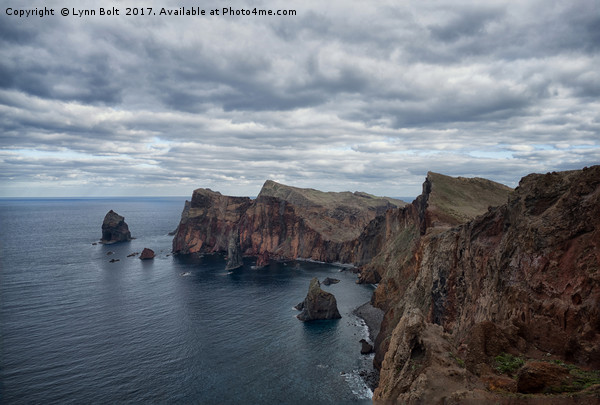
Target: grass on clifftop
x,y
337,216
310,197
462,199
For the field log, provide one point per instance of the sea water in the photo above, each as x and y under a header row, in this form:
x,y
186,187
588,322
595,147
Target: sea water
x,y
76,328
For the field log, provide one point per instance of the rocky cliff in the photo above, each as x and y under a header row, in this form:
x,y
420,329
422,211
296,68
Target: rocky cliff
x,y
208,222
520,280
470,274
282,222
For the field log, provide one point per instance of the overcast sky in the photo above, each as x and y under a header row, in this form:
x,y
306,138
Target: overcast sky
x,y
346,95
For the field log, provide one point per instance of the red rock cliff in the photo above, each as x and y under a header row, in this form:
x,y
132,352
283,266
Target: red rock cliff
x,y
524,278
208,221
283,221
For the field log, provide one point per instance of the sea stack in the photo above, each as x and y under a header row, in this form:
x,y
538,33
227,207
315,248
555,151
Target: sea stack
x,y
114,229
234,253
147,254
318,304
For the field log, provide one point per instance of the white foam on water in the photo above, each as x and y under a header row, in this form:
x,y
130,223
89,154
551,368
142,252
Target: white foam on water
x,y
357,385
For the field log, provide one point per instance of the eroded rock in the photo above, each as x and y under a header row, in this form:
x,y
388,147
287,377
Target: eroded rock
x,y
234,254
318,304
263,259
283,221
114,229
366,347
329,281
537,376
147,254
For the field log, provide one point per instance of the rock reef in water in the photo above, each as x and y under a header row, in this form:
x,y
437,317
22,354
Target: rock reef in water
x,y
318,304
329,281
114,229
147,254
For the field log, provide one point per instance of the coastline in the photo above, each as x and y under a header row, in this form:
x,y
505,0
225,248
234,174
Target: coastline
x,y
372,316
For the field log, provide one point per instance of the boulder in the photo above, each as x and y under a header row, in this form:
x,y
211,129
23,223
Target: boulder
x,y
318,304
366,347
114,229
147,254
537,376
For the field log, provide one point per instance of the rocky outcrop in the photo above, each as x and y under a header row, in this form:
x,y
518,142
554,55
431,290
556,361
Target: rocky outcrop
x,y
234,254
263,259
392,242
426,369
318,304
524,277
147,254
365,347
329,281
538,376
114,229
285,222
208,221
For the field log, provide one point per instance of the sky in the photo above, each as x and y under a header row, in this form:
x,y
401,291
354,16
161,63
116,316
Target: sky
x,y
344,95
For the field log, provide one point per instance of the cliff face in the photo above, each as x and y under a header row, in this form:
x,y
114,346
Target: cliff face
x,y
283,222
389,243
208,221
523,278
395,240
468,271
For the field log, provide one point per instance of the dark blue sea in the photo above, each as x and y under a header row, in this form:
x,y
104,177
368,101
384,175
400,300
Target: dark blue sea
x,y
76,328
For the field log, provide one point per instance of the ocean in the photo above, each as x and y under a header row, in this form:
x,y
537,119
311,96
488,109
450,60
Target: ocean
x,y
76,328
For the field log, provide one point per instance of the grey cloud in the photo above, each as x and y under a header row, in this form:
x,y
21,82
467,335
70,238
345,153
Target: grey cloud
x,y
362,96
468,22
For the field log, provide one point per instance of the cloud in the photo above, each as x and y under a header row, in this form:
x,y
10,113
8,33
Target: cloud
x,y
344,95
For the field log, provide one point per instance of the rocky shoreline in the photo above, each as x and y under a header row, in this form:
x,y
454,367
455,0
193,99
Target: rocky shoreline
x,y
372,317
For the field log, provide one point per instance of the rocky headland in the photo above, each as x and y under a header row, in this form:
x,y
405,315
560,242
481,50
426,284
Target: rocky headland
x,y
114,229
521,281
283,223
481,286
